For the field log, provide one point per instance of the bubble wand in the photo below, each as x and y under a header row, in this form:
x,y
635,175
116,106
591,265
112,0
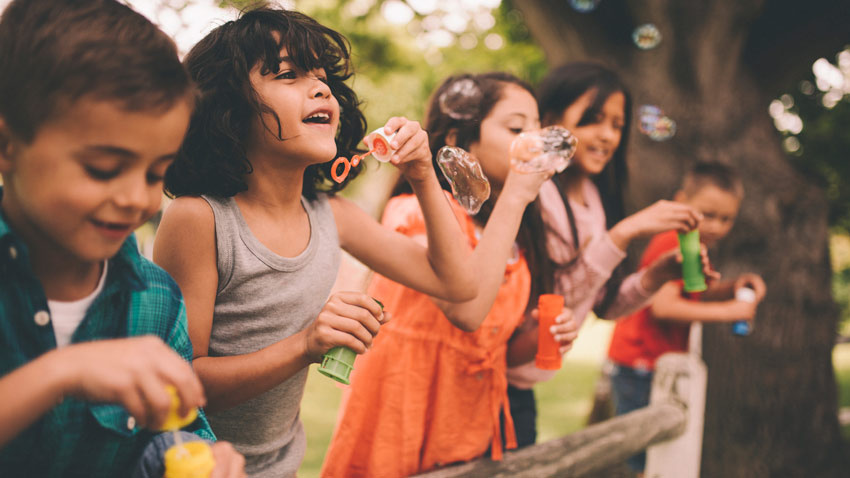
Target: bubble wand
x,y
184,459
379,146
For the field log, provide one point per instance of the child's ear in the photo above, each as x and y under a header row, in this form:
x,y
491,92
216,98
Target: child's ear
x,y
680,196
451,137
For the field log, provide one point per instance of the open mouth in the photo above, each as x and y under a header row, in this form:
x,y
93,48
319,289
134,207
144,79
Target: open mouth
x,y
319,117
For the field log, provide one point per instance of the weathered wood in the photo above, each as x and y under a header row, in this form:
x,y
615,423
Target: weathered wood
x,y
582,452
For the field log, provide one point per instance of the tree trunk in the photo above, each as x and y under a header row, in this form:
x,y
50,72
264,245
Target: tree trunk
x,y
771,405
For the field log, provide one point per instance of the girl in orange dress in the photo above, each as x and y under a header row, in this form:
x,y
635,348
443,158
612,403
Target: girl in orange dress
x,y
432,389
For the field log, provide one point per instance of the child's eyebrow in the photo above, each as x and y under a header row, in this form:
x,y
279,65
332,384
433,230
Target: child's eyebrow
x,y
106,150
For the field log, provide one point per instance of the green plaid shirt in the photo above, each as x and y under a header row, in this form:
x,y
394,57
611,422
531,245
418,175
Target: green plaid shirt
x,y
76,438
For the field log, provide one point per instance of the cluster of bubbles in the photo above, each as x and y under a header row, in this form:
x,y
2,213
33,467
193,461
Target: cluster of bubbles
x,y
546,149
469,185
646,36
584,6
461,99
655,124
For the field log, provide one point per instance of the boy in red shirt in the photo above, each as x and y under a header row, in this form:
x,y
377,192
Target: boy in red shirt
x,y
639,339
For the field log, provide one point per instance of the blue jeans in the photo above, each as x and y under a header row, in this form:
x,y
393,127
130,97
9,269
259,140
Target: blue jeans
x,y
152,462
630,388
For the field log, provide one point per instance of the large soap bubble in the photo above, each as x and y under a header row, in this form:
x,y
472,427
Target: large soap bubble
x,y
463,171
461,100
655,124
546,149
646,36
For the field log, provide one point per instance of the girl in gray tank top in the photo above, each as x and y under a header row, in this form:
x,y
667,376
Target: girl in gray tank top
x,y
254,236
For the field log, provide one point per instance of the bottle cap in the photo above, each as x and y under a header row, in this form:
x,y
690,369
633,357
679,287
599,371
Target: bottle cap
x,y
193,459
745,294
174,421
338,363
380,142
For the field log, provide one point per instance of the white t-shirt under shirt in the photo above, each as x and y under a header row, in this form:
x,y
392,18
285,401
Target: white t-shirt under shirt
x,y
66,316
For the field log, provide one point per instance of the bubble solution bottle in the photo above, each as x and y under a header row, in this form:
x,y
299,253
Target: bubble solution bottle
x,y
185,460
691,263
338,362
548,307
744,327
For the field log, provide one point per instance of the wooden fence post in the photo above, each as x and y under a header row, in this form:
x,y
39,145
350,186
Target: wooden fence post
x,y
680,378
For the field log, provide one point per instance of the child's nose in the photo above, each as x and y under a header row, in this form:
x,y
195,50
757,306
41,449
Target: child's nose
x,y
133,194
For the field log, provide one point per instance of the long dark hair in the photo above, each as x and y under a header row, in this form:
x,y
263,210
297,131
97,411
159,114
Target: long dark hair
x,y
467,129
560,89
213,157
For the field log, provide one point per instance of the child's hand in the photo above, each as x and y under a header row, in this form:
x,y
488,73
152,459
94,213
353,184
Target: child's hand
x,y
668,267
350,319
565,329
524,187
754,282
229,463
412,156
659,217
133,372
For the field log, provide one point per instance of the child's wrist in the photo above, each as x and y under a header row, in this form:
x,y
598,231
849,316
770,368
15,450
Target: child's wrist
x,y
59,375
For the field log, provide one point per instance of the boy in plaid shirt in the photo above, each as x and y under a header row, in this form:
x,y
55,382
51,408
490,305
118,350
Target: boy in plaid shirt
x,y
94,104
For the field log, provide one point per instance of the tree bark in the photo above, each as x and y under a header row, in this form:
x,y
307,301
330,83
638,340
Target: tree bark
x,y
771,405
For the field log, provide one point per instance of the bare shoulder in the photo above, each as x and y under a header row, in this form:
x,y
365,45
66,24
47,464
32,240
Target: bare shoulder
x,y
187,226
186,212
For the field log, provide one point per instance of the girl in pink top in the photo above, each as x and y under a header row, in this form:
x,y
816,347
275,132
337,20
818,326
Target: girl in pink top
x,y
587,232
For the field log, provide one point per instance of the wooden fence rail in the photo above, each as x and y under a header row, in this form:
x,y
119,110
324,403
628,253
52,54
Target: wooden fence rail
x,y
593,448
671,427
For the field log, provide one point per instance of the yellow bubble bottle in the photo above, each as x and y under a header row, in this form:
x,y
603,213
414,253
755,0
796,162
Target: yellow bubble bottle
x,y
185,460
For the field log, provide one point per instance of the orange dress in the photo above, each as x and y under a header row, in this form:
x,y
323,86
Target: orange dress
x,y
427,393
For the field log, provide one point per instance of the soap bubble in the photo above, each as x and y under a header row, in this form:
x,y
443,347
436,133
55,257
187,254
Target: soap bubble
x,y
584,6
655,124
463,171
546,149
646,36
461,99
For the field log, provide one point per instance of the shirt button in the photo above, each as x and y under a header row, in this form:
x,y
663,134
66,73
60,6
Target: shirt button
x,y
479,376
42,318
131,423
13,253
494,330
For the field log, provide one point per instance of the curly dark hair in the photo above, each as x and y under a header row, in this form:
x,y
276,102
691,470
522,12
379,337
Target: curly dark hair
x,y
213,157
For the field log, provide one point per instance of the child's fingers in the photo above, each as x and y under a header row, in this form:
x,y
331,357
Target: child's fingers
x,y
393,124
155,399
132,401
229,463
414,149
565,348
359,299
359,315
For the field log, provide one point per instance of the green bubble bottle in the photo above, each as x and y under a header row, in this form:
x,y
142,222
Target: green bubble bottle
x,y
338,362
691,263
185,460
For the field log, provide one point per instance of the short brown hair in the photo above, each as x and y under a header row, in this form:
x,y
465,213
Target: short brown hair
x,y
55,52
712,173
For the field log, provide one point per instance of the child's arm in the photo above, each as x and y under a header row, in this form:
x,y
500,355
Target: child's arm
x,y
659,217
132,372
442,269
185,247
522,347
668,304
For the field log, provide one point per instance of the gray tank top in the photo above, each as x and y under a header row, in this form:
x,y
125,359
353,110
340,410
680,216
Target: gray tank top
x,y
263,298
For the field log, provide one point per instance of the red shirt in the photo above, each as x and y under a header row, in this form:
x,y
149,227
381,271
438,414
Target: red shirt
x,y
639,339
